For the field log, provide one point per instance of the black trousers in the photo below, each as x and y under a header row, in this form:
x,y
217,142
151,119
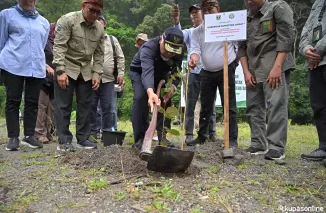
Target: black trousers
x,y
14,88
63,106
317,88
140,110
209,82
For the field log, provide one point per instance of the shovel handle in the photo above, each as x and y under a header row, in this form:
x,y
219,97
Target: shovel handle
x,y
226,96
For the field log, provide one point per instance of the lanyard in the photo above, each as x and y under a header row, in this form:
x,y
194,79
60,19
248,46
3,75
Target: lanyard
x,y
321,14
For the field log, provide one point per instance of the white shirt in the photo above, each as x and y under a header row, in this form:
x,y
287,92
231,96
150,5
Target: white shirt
x,y
211,53
187,35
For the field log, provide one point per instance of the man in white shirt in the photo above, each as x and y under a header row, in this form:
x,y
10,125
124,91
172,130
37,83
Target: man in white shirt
x,y
194,76
211,76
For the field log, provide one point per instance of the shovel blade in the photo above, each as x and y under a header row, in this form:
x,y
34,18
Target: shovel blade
x,y
169,160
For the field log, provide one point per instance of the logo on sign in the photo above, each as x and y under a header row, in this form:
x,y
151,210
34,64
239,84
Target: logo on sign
x,y
218,17
231,16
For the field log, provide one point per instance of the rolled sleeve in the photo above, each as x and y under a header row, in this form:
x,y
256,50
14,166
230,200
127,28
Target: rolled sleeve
x,y
284,27
3,30
242,49
147,64
62,36
98,58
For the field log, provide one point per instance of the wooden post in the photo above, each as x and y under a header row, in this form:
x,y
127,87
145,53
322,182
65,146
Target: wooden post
x,y
185,111
226,96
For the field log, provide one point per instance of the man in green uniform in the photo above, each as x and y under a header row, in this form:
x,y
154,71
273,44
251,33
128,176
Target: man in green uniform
x,y
78,58
267,60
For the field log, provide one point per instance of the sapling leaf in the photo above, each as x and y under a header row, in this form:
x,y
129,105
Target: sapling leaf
x,y
171,112
174,132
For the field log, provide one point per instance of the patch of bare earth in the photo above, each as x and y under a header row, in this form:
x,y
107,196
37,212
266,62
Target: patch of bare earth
x,y
114,179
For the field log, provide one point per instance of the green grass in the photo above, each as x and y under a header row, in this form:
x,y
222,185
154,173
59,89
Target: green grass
x,y
31,163
119,196
213,169
167,191
32,156
97,184
196,211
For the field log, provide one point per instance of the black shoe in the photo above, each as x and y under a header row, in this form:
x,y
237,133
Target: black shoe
x,y
66,147
274,155
13,144
256,151
213,138
167,142
138,145
86,145
196,141
32,142
317,155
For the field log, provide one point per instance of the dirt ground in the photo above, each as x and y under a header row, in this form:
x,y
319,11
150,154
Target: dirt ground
x,y
114,179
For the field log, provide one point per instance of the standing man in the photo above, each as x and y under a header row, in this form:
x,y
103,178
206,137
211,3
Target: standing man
x,y
266,60
194,76
79,38
157,59
211,76
105,94
141,39
313,47
23,37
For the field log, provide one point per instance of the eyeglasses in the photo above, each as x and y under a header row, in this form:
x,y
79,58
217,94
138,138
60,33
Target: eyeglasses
x,y
96,12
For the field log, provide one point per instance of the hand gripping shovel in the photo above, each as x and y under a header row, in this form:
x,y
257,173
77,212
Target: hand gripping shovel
x,y
163,159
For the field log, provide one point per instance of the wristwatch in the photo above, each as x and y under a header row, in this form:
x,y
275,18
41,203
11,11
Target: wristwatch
x,y
60,72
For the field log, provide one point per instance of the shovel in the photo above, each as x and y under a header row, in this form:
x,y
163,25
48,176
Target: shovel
x,y
163,159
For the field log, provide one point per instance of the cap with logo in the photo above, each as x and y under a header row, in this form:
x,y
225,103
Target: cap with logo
x,y
194,7
141,36
97,2
173,40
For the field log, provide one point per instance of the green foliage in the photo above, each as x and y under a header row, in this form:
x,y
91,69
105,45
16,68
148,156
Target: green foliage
x,y
299,105
4,4
156,24
53,10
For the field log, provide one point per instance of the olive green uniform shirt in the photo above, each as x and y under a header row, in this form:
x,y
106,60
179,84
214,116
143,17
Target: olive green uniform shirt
x,y
270,31
76,43
307,32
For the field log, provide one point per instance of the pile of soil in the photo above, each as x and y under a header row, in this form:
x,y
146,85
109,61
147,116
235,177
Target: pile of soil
x,y
113,160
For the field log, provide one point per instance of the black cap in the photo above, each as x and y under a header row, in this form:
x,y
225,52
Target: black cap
x,y
173,40
195,6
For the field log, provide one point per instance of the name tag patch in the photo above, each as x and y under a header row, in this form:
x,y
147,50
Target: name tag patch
x,y
267,26
317,34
